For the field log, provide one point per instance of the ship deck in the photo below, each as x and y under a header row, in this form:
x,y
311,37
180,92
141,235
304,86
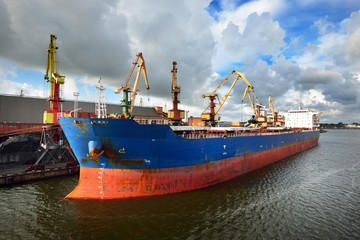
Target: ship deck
x,y
190,132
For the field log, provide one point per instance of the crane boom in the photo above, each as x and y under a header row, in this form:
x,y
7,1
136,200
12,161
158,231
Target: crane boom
x,y
133,68
226,95
317,118
231,73
244,79
247,91
135,88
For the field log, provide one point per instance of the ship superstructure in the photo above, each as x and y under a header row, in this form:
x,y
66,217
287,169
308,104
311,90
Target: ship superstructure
x,y
301,118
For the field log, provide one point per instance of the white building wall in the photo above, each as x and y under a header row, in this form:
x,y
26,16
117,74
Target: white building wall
x,y
300,119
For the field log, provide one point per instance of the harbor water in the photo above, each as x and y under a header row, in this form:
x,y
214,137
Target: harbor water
x,y
312,195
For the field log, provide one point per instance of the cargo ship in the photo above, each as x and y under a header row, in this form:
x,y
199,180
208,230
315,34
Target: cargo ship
x,y
121,158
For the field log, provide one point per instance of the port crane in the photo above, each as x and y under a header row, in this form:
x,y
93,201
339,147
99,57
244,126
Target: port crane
x,y
128,105
210,117
56,79
175,115
53,143
248,90
273,111
274,118
258,112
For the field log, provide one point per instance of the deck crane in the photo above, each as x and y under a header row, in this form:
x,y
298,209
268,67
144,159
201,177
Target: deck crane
x,y
210,117
175,115
128,105
55,78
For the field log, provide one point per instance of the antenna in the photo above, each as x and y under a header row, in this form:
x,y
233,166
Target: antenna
x,y
100,106
76,104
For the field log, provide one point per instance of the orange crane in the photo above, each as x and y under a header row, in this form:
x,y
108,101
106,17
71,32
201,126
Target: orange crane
x,y
126,104
175,114
210,117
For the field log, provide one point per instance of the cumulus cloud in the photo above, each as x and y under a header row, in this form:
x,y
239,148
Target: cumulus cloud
x,y
102,38
91,38
324,75
7,69
323,25
261,36
172,31
232,12
69,88
14,88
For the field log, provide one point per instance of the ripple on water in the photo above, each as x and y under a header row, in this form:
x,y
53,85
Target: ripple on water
x,y
312,195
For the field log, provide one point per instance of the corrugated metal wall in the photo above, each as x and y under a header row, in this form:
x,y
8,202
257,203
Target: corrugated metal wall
x,y
30,110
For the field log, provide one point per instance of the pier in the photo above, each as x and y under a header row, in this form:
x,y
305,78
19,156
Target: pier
x,y
11,174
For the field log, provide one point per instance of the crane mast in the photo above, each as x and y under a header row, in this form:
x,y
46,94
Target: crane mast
x,y
56,79
128,105
175,114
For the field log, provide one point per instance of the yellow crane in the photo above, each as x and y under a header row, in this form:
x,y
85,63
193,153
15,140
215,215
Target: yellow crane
x,y
55,78
274,118
317,118
273,112
128,105
272,108
210,117
258,112
247,91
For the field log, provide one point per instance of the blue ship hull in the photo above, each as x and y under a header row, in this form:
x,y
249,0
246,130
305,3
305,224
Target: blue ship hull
x,y
126,151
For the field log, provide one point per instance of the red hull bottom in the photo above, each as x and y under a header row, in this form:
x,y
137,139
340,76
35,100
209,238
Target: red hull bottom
x,y
97,183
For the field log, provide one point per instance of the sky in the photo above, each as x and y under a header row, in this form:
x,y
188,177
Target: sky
x,y
293,50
